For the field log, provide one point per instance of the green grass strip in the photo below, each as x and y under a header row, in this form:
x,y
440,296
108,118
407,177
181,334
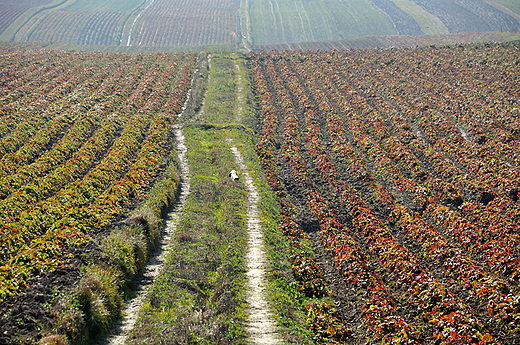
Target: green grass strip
x,y
199,296
429,23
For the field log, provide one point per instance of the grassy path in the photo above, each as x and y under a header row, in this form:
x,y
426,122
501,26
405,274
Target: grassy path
x,y
225,277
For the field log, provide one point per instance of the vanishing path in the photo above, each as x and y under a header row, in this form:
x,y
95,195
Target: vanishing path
x,y
260,323
131,309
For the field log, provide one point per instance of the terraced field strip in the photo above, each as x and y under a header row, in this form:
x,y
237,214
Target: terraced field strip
x,y
429,23
260,324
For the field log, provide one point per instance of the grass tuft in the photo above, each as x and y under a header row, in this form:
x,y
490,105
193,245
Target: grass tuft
x,y
53,340
99,298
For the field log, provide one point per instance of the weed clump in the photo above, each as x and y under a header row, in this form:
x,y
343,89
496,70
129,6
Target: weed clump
x,y
125,249
99,297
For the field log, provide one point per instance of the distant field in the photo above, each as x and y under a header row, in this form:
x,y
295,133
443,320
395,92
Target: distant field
x,y
469,15
283,21
11,10
168,23
105,5
245,23
152,23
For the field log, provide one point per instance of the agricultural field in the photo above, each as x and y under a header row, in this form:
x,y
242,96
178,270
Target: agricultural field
x,y
403,168
11,10
470,15
85,140
171,23
282,21
383,185
285,22
247,24
156,23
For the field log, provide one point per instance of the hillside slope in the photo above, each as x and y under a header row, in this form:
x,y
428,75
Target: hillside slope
x,y
169,23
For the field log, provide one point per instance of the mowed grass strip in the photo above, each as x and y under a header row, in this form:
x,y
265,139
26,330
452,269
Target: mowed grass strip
x,y
221,104
199,296
429,23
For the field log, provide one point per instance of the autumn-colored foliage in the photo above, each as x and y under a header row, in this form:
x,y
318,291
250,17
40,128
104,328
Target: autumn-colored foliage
x,y
416,145
83,137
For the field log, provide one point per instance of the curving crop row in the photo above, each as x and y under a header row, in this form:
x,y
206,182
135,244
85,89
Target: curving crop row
x,y
442,122
100,29
59,26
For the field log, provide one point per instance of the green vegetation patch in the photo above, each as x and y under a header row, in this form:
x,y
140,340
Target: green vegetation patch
x,y
221,95
229,98
199,296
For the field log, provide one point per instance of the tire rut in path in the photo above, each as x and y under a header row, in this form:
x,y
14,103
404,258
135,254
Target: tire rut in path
x,y
260,326
132,307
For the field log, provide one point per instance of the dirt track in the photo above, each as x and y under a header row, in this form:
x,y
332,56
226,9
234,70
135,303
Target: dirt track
x,y
260,324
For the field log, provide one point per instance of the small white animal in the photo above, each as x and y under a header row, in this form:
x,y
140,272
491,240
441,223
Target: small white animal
x,y
233,175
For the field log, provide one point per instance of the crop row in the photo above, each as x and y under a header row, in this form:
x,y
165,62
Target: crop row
x,y
59,26
447,313
8,16
187,26
453,120
105,147
101,29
